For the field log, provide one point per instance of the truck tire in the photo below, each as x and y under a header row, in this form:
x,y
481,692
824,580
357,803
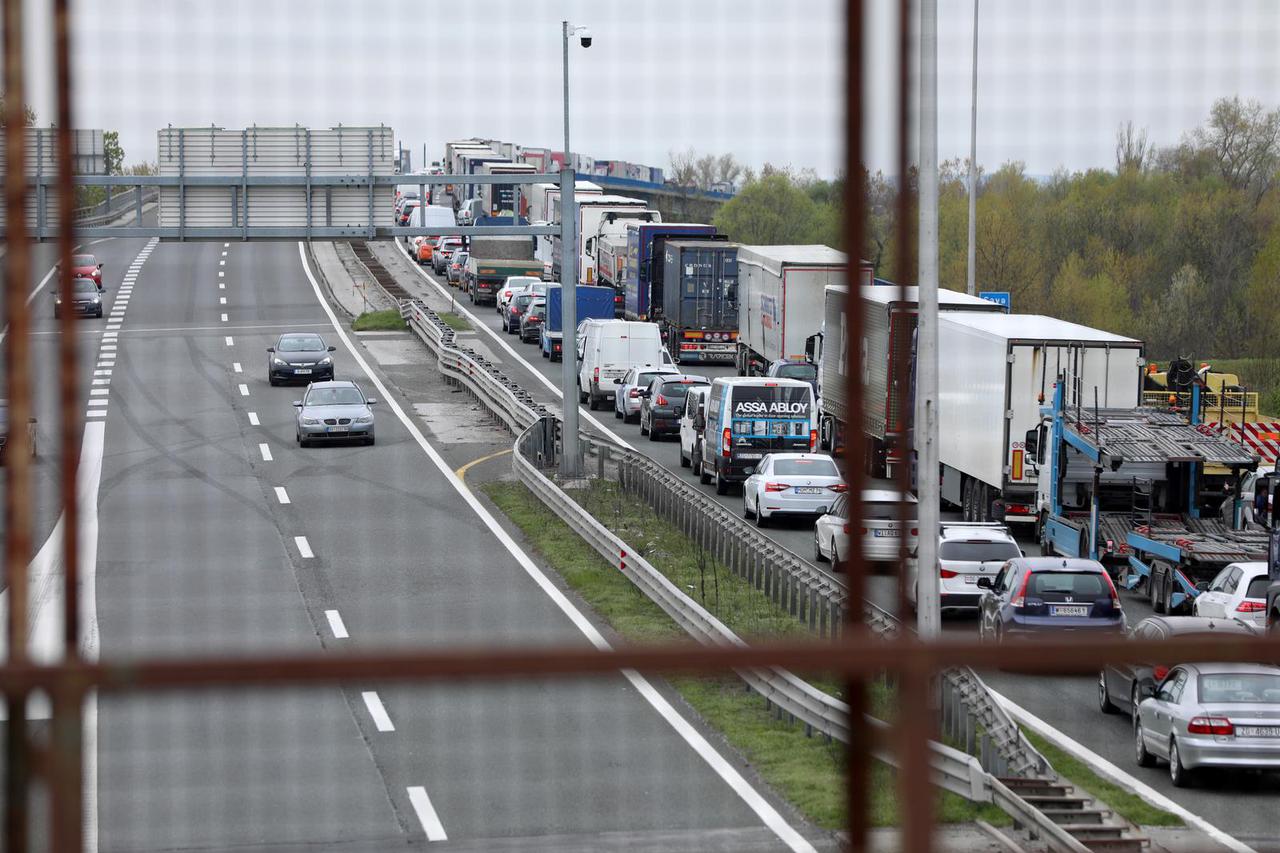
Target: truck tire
x,y
966,499
981,502
1157,584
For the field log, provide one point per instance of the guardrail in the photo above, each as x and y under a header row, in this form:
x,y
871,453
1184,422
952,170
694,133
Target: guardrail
x,y
121,205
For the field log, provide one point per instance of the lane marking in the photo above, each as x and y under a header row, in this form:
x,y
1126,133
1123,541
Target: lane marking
x,y
222,285
102,373
230,341
729,774
377,711
244,390
112,328
102,382
221,273
107,363
554,388
462,472
304,547
222,263
97,392
253,418
235,365
282,495
224,318
335,624
108,347
98,402
426,812
95,413
265,451
224,254
1115,774
226,245
274,327
222,300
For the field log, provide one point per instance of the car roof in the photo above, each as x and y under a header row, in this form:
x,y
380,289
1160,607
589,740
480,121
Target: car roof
x,y
801,456
1059,564
673,378
1234,668
333,383
886,496
1183,625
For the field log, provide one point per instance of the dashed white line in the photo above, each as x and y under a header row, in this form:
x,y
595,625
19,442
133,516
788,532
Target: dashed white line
x,y
282,495
222,263
235,365
244,390
112,328
108,348
107,363
230,341
427,816
224,318
253,419
102,373
222,285
377,711
224,254
336,625
265,451
102,382
304,547
98,402
95,413
98,392
226,245
221,273
222,300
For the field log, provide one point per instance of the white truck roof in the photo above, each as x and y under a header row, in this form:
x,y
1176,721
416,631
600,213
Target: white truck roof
x,y
1033,327
884,294
774,258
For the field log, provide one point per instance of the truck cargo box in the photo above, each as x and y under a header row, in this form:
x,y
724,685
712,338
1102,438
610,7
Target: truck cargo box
x,y
780,300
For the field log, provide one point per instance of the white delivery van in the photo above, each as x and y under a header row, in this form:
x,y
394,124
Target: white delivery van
x,y
749,417
607,349
435,217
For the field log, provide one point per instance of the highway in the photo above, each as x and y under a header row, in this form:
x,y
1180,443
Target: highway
x,y
218,536
1241,804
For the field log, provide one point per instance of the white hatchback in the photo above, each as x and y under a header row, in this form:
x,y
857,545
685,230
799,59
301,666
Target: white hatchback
x,y
883,528
967,551
1238,592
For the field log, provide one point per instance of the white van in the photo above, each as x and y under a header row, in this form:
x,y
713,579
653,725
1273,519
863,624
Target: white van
x,y
694,413
436,217
748,417
607,349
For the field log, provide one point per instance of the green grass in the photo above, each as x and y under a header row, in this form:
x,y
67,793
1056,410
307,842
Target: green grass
x,y
455,321
379,321
807,771
1128,805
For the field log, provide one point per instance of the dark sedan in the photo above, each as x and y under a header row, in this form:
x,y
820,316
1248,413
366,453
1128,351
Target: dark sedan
x,y
515,310
1120,685
662,403
531,321
299,356
1033,595
86,299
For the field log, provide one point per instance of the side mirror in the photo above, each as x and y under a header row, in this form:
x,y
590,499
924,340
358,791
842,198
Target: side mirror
x,y
271,349
984,583
617,381
749,470
1032,440
371,401
297,404
333,349
1146,690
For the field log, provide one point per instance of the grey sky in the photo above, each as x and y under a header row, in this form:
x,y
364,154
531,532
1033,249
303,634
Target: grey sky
x,y
760,78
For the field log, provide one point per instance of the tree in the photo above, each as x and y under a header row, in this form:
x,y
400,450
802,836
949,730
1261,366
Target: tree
x,y
29,115
771,211
1132,148
112,151
683,170
1243,141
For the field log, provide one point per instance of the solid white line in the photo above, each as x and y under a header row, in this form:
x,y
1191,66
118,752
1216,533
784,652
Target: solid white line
x,y
235,365
304,547
426,812
727,772
230,341
282,495
253,418
377,711
1115,774
244,390
265,451
336,625
500,340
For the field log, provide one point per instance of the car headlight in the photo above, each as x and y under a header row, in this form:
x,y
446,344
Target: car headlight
x,y
97,299
279,362
364,419
328,359
310,421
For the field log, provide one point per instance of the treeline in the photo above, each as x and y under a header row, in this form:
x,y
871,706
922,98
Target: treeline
x,y
1178,246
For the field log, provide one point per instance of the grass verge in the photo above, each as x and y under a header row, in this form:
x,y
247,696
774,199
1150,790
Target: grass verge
x,y
807,771
379,321
455,321
1126,804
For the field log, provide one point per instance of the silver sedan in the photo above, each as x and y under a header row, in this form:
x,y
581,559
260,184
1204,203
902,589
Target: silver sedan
x,y
1211,715
334,411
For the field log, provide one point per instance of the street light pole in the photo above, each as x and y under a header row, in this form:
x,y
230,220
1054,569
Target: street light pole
x,y
570,462
971,281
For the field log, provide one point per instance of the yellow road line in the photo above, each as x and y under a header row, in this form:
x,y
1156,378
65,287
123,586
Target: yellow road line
x,y
462,472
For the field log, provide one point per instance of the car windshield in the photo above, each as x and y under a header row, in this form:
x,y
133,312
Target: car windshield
x,y
84,285
644,379
805,372
300,343
523,299
978,551
806,467
1258,587
83,261
1242,687
335,397
677,389
888,510
1061,586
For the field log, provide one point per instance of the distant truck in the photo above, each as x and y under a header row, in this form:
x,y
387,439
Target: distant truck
x,y
645,258
889,316
494,259
700,300
594,303
597,217
499,198
780,301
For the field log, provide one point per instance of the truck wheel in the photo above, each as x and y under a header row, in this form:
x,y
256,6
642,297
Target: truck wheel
x,y
966,499
1156,588
593,402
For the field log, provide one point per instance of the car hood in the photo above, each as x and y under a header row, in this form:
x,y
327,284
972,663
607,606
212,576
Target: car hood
x,y
309,357
353,411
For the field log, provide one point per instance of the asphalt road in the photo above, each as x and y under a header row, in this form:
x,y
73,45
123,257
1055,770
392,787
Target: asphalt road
x,y
1242,804
199,554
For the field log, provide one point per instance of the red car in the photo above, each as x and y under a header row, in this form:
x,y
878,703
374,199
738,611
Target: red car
x,y
87,266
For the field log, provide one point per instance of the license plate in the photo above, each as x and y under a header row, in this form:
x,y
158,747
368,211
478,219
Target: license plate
x,y
888,534
971,579
1082,610
1257,731
750,455
808,490
338,429
301,370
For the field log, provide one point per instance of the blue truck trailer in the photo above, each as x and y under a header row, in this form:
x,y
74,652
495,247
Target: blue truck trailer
x,y
645,242
699,318
595,303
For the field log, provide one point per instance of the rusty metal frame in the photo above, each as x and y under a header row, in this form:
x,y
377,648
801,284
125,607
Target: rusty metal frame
x,y
858,656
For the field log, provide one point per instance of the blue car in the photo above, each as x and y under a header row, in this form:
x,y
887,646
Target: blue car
x,y
1033,595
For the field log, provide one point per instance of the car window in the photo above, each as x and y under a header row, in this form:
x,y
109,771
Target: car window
x,y
1240,687
887,510
1067,586
1172,691
334,397
797,371
1220,582
1004,578
300,343
978,551
676,388
806,467
84,285
1233,580
1258,587
83,261
840,509
523,300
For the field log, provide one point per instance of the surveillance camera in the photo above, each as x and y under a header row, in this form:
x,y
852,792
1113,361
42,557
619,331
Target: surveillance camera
x,y
584,36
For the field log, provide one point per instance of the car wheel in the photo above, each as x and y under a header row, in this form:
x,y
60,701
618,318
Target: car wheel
x,y
1104,698
582,396
762,520
837,562
818,556
643,429
695,460
617,415
370,441
653,434
722,487
1134,699
1154,593
1140,754
99,314
273,381
593,402
1180,776
703,477
684,460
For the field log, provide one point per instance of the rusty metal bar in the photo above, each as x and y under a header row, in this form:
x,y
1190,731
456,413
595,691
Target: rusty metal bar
x,y
904,271
914,729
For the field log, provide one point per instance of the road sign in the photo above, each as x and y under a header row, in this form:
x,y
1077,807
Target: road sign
x,y
998,297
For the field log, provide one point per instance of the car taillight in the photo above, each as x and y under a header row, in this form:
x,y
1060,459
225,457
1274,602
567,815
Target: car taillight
x,y
776,487
633,393
1020,599
915,531
946,573
595,376
813,440
1210,726
661,400
839,487
1115,596
726,442
513,309
1251,607
1158,672
846,529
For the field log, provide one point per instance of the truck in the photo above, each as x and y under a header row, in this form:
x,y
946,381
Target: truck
x,y
593,303
645,257
1126,486
994,370
889,317
492,261
780,301
596,217
699,319
473,163
542,209
499,198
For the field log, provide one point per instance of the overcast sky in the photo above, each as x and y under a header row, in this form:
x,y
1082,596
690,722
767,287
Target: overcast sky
x,y
760,78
